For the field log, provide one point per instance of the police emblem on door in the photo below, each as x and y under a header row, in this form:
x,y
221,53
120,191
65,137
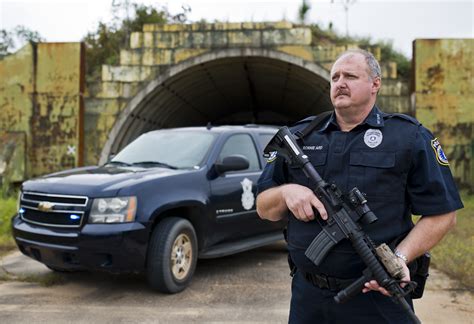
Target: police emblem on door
x,y
247,195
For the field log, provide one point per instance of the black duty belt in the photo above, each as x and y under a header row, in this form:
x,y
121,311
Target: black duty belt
x,y
326,282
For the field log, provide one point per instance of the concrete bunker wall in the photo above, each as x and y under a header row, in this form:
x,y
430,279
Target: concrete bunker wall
x,y
231,86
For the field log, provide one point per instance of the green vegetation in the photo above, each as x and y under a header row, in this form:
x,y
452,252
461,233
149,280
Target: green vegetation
x,y
303,11
388,53
454,255
45,280
7,210
10,40
103,45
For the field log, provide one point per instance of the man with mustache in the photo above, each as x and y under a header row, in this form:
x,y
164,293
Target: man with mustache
x,y
399,166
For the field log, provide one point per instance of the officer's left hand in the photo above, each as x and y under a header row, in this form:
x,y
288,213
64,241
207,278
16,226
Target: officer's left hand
x,y
373,285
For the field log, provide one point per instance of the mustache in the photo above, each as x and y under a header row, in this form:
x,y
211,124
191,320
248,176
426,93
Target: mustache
x,y
342,92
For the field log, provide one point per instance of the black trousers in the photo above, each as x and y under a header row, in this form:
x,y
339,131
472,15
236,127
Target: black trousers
x,y
310,304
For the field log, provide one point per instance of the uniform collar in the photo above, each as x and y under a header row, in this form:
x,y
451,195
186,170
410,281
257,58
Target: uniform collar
x,y
330,124
373,119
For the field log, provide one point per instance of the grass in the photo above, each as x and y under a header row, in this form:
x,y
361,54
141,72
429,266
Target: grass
x,y
45,280
7,210
454,255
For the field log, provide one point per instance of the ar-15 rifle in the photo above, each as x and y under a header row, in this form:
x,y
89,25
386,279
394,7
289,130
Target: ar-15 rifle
x,y
344,214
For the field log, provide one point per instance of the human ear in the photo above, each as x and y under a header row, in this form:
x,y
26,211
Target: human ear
x,y
376,84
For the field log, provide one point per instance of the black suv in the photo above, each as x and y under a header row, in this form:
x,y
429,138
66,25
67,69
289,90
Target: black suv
x,y
168,198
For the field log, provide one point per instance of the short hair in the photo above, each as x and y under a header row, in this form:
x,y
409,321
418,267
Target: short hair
x,y
372,63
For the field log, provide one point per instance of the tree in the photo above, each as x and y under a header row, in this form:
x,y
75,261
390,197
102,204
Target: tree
x,y
103,45
11,40
303,11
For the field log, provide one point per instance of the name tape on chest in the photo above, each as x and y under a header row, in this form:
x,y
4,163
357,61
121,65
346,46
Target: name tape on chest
x,y
439,153
373,137
312,148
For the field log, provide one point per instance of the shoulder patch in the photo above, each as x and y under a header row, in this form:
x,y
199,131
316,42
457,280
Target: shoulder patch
x,y
272,156
404,117
440,156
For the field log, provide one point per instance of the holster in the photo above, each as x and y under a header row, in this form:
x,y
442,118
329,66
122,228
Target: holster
x,y
291,264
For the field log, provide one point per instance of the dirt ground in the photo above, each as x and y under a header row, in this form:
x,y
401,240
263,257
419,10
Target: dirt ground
x,y
250,287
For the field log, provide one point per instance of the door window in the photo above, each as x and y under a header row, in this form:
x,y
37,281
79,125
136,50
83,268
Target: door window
x,y
241,144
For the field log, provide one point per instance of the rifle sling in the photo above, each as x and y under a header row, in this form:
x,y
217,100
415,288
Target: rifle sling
x,y
315,123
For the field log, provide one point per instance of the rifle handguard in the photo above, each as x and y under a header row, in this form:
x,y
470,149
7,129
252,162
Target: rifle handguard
x,y
390,261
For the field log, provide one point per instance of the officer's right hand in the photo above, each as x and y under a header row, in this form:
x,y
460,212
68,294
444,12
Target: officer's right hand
x,y
301,200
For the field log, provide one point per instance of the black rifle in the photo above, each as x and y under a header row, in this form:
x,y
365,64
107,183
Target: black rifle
x,y
344,214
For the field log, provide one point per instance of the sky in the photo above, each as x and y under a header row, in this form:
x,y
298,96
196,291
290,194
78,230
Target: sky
x,y
399,21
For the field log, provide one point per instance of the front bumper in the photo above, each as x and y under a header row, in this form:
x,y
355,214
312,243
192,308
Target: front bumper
x,y
111,247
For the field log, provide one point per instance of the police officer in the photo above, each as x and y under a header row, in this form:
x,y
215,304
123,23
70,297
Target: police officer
x,y
394,160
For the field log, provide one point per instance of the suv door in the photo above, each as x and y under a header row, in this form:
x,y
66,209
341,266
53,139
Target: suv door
x,y
233,193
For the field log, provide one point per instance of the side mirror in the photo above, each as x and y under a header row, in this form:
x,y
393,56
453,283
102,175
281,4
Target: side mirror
x,y
234,162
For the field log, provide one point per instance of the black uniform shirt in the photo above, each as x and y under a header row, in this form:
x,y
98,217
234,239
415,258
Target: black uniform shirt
x,y
391,158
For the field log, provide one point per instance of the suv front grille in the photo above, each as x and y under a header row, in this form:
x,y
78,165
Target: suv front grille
x,y
53,210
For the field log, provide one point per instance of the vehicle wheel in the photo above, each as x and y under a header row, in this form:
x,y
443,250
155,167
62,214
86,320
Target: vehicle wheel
x,y
172,255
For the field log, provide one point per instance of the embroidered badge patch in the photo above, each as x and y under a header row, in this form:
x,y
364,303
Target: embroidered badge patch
x,y
272,157
440,156
373,137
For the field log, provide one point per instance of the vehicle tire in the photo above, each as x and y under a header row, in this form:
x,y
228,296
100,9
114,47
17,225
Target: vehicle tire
x,y
172,255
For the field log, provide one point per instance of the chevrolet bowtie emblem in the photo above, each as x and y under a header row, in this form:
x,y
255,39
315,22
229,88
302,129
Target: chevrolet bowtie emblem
x,y
45,206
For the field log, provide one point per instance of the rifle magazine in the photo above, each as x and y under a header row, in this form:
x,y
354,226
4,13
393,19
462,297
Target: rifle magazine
x,y
319,248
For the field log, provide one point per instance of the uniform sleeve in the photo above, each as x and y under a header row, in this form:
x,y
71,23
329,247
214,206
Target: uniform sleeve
x,y
273,175
430,185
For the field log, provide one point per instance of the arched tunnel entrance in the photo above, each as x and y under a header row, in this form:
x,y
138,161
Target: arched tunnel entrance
x,y
235,86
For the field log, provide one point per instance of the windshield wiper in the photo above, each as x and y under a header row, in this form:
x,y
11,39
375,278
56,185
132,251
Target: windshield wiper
x,y
119,163
155,163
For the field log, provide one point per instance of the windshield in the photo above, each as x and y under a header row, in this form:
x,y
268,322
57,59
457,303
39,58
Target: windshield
x,y
167,148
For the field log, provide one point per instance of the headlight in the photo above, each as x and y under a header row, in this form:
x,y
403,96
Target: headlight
x,y
113,210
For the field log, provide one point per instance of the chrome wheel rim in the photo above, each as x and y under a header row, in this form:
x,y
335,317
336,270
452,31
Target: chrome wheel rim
x,y
181,256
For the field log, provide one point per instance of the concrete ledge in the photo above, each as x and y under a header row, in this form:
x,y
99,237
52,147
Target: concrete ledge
x,y
125,73
217,26
295,36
